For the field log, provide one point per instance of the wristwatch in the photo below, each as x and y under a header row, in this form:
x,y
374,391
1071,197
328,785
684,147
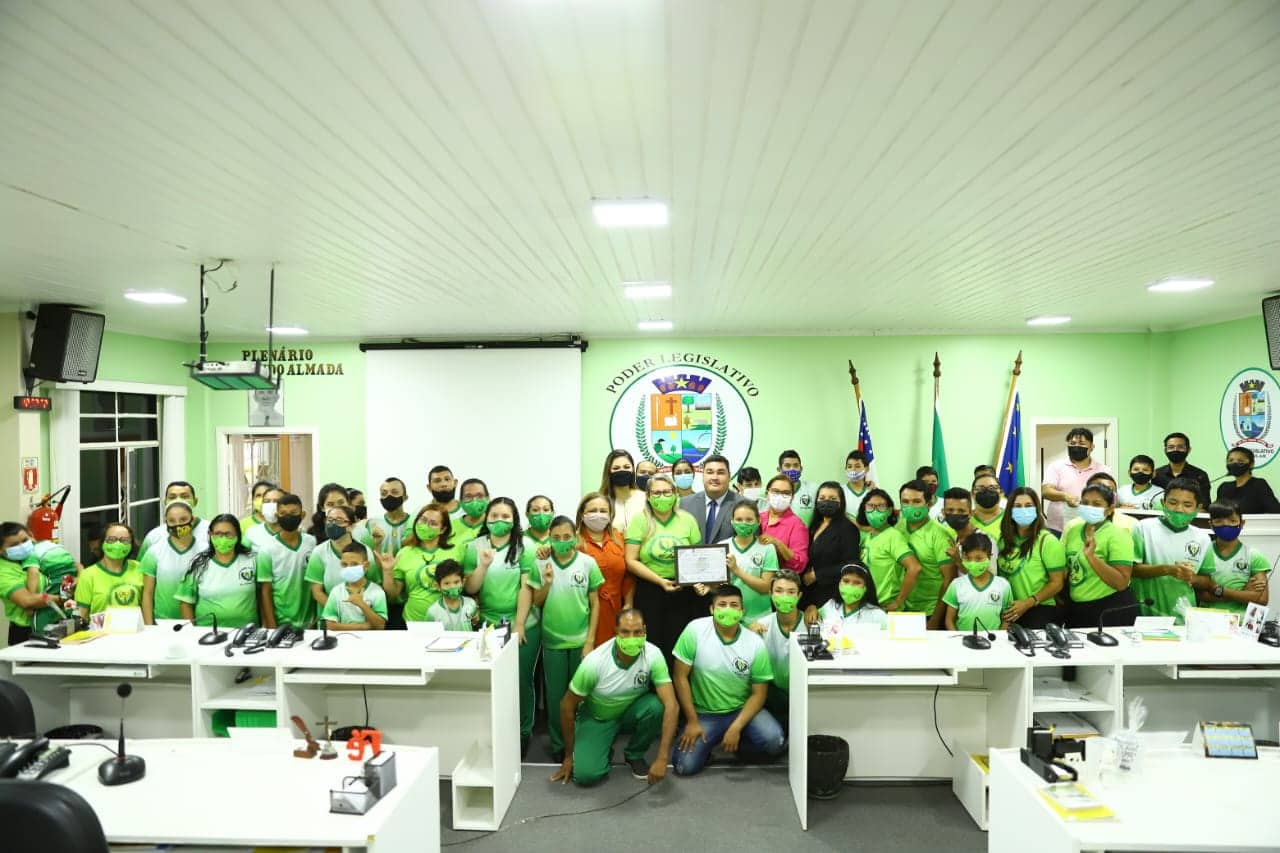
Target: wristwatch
x,y
1217,592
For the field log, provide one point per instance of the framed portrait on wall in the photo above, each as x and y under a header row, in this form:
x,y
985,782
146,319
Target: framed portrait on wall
x,y
266,407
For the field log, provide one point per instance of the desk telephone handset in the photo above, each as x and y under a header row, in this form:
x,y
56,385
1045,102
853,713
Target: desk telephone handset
x,y
1058,640
22,756
284,637
1022,639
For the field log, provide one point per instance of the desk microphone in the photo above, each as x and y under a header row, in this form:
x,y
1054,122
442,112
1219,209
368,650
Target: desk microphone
x,y
1101,637
122,769
325,642
973,641
215,636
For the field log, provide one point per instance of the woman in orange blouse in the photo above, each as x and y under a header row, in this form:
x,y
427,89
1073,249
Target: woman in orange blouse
x,y
598,540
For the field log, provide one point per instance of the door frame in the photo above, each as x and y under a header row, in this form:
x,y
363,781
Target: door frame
x,y
1112,446
223,436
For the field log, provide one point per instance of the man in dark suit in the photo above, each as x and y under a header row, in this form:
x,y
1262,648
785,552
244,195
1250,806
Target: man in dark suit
x,y
713,507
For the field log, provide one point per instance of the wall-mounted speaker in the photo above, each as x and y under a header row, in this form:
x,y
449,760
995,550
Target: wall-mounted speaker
x,y
66,344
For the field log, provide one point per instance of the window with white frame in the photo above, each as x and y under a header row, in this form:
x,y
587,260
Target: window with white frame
x,y
119,464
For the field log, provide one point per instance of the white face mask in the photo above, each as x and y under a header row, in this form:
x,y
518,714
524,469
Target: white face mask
x,y
269,510
752,493
778,503
596,521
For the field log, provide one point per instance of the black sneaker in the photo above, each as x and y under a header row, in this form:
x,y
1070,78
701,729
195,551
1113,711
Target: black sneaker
x,y
557,757
524,746
639,767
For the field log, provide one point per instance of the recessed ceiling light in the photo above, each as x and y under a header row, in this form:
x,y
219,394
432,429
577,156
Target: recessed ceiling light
x,y
286,330
1049,320
646,289
654,325
1180,285
154,297
630,213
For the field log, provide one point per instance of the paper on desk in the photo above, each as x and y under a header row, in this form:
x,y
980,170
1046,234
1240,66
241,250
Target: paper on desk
x,y
1058,690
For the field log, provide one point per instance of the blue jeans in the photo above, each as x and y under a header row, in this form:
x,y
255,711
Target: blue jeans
x,y
762,735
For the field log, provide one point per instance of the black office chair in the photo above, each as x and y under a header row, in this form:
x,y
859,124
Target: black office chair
x,y
49,818
16,717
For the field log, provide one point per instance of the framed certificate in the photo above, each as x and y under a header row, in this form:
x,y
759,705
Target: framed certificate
x,y
707,564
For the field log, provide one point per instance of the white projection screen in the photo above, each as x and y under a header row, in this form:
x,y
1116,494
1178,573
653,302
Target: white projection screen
x,y
511,417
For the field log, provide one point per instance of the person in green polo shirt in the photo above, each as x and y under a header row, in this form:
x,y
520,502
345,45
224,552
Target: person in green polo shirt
x,y
430,544
776,629
1031,559
805,492
475,500
454,611
1239,570
223,580
885,551
751,562
19,578
356,604
651,541
115,580
1172,559
166,562
977,598
622,686
988,506
930,542
567,594
1099,563
284,596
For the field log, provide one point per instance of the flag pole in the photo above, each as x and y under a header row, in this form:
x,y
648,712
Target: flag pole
x,y
857,392
937,378
1008,409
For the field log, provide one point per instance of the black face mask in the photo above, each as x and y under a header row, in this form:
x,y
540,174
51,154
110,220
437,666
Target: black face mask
x,y
391,503
1235,469
956,521
443,496
622,479
1177,457
1077,453
1140,477
828,508
929,495
987,498
289,523
362,512
642,481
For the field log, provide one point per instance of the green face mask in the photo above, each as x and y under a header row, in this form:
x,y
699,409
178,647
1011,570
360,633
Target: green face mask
x,y
631,646
1178,520
976,567
540,520
500,528
662,503
727,616
452,592
425,532
745,528
116,550
914,514
223,544
563,547
474,507
785,603
851,594
877,518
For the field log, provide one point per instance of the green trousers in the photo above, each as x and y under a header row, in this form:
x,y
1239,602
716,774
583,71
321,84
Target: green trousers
x,y
558,667
593,739
528,660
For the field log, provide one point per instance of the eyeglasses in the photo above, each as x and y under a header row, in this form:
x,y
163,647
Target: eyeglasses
x,y
117,539
881,507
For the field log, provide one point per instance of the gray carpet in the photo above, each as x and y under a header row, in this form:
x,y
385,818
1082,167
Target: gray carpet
x,y
725,808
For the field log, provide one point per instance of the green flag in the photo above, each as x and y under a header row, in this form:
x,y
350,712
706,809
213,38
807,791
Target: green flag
x,y
939,452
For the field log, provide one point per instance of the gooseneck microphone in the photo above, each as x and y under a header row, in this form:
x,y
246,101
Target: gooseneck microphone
x,y
122,769
215,636
973,641
324,642
1101,637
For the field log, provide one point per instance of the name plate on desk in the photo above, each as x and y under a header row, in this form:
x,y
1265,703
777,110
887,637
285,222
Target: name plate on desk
x,y
907,626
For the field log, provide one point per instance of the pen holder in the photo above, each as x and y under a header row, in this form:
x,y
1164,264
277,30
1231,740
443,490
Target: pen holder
x,y
380,773
353,798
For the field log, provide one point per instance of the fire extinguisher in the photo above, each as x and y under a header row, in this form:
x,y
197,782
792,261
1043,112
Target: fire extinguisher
x,y
45,521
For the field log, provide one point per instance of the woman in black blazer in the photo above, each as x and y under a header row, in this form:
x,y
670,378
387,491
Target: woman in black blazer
x,y
834,541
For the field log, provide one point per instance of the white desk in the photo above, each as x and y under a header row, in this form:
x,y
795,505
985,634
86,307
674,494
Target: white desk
x,y
466,707
1176,801
219,792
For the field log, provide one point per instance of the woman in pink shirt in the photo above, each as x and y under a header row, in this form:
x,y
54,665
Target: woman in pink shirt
x,y
782,528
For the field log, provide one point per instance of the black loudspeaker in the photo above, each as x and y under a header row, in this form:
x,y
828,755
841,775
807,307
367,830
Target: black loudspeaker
x,y
1271,321
66,344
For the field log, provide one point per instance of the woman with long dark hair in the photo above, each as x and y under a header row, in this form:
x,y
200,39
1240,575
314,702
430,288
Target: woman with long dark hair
x,y
223,579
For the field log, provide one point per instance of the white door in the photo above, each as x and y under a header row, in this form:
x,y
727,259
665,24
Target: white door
x,y
288,459
1050,436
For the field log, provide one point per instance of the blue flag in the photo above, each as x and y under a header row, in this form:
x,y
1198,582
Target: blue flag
x,y
1010,469
864,442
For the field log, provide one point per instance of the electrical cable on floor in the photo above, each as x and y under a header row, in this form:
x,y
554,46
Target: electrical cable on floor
x,y
646,789
935,721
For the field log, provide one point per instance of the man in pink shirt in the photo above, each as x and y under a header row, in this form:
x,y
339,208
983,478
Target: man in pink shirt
x,y
1064,479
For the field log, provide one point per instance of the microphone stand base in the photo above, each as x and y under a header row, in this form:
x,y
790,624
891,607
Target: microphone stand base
x,y
1101,638
973,642
213,638
323,644
122,770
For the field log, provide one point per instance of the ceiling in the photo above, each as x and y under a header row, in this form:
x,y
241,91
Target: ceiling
x,y
425,167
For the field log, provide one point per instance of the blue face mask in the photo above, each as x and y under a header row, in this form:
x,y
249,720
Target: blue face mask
x,y
18,553
793,474
351,574
1227,532
1091,514
683,481
1024,516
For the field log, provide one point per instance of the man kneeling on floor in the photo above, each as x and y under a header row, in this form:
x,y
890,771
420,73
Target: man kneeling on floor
x,y
722,679
624,686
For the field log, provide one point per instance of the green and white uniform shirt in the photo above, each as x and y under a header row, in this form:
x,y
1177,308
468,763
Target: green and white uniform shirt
x,y
286,570
853,500
1028,575
610,688
226,590
778,644
929,542
416,569
453,620
156,535
392,534
975,603
882,553
804,499
13,577
325,565
1234,571
658,549
340,609
464,533
1112,545
1156,543
499,594
1148,499
56,564
722,673
99,588
836,618
755,560
168,566
566,612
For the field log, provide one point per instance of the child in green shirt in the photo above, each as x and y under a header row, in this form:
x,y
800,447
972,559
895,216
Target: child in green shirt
x,y
356,604
454,610
977,596
1239,570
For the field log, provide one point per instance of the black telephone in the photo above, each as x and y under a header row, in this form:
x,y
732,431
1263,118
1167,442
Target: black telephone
x,y
284,637
1270,635
22,756
1021,639
1058,639
243,634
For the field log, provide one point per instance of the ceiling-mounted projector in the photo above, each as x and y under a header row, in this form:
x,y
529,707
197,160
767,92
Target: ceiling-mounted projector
x,y
233,375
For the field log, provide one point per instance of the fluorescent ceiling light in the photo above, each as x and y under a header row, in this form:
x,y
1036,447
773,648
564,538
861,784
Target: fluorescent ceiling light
x,y
1049,320
286,330
647,289
154,297
1180,285
630,213
654,325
